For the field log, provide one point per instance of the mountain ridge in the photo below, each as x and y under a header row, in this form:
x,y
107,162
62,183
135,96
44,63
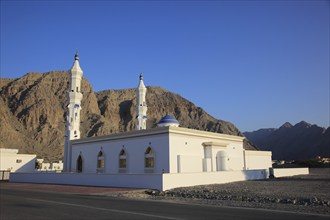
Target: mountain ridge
x,y
293,142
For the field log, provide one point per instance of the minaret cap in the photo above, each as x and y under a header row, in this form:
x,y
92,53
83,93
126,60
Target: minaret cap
x,y
76,57
141,76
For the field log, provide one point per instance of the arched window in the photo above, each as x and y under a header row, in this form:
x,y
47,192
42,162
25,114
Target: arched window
x,y
100,162
122,159
149,158
79,164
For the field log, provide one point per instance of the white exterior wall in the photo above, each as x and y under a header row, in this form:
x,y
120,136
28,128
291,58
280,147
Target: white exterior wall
x,y
187,153
235,159
14,162
135,148
192,179
177,150
183,157
257,159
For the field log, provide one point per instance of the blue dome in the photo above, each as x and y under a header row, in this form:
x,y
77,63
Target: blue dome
x,y
168,119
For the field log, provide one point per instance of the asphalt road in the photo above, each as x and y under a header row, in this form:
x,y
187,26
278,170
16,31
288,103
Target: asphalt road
x,y
29,204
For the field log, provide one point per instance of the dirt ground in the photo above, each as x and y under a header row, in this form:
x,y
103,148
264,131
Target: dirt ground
x,y
302,193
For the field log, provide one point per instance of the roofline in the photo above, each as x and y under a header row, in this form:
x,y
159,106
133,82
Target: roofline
x,y
258,153
122,135
157,131
209,134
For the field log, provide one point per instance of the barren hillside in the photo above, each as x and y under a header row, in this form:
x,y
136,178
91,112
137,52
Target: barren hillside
x,y
33,113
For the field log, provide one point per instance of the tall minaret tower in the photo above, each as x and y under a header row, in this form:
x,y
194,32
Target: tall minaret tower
x,y
74,96
141,106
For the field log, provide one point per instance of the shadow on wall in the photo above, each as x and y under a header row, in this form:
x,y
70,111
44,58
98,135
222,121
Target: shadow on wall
x,y
29,166
256,174
26,167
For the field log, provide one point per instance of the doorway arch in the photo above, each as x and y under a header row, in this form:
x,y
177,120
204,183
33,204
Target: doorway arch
x,y
79,164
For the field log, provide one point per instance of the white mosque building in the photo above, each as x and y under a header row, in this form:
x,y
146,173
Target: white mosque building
x,y
166,149
161,158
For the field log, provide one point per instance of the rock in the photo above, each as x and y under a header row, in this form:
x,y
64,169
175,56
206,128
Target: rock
x,y
153,192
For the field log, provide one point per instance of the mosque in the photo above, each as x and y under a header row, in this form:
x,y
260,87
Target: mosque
x,y
167,149
164,157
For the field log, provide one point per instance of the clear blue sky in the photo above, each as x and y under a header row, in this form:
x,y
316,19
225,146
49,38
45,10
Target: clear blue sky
x,y
257,64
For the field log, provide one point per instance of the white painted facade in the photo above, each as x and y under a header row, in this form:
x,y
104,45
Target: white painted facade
x,y
11,160
175,150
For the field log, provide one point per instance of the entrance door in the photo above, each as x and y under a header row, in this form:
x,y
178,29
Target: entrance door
x,y
221,161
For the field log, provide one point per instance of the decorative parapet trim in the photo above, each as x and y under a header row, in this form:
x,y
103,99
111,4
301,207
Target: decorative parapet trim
x,y
257,153
207,134
215,144
159,131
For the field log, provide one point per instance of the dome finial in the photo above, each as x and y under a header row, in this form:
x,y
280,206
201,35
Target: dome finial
x,y
76,57
141,76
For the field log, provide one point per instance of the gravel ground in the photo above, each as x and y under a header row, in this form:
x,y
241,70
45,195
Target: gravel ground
x,y
303,193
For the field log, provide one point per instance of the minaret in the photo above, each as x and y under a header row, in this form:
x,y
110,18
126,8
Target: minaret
x,y
141,106
74,96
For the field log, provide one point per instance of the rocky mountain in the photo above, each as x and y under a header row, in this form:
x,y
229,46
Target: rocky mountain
x,y
293,142
33,107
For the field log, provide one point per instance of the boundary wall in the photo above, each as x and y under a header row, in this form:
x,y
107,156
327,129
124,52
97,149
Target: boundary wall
x,y
152,181
4,175
192,179
162,181
282,172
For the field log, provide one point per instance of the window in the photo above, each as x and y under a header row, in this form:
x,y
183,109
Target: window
x,y
122,159
100,162
18,161
77,89
79,164
149,158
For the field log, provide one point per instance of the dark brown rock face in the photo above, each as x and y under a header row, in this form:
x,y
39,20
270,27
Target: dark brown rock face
x,y
33,113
